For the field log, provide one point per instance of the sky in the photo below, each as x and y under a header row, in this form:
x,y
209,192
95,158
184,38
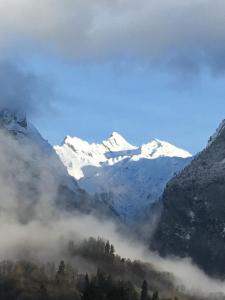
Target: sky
x,y
92,101
146,69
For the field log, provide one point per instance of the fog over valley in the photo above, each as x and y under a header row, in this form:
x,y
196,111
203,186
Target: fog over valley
x,y
112,138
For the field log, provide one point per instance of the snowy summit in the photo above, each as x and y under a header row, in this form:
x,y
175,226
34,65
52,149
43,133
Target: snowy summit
x,y
132,176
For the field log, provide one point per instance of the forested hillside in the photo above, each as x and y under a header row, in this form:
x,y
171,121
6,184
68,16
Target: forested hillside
x,y
107,277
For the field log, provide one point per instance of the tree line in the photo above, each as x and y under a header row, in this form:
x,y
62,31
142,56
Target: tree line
x,y
114,278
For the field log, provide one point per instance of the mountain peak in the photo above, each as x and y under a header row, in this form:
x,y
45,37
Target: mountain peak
x,y
117,143
116,134
117,137
157,148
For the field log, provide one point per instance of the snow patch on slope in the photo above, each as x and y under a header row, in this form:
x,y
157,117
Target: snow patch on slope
x,y
157,148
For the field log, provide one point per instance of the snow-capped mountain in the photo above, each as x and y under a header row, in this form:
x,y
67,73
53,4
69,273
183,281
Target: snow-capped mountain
x,y
132,177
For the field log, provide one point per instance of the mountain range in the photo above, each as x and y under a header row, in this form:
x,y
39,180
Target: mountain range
x,y
115,179
132,177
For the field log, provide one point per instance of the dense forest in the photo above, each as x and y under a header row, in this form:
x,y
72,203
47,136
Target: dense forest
x,y
107,277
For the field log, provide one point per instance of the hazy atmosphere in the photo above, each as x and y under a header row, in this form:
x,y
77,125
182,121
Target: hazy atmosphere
x,y
112,150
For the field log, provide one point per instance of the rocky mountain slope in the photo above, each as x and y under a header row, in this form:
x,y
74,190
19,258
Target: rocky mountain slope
x,y
192,223
130,177
33,177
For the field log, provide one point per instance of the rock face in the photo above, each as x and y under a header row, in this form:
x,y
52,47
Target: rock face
x,y
130,177
192,222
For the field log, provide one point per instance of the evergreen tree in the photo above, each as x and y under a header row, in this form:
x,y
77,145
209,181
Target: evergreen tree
x,y
107,248
155,295
60,275
43,292
61,270
112,251
144,291
86,281
101,277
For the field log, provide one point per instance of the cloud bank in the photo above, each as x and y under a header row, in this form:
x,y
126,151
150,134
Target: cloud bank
x,y
182,34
